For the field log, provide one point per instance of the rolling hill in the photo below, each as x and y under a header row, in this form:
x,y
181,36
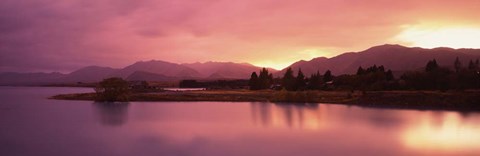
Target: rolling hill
x,y
146,76
88,74
157,67
395,57
225,70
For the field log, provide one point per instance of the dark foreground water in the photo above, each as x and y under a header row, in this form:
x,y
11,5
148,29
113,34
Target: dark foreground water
x,y
32,125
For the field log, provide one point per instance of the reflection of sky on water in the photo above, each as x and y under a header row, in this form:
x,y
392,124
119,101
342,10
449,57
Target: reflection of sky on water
x,y
447,132
424,131
38,126
327,129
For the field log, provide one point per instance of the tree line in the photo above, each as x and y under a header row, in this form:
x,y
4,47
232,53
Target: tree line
x,y
289,81
433,77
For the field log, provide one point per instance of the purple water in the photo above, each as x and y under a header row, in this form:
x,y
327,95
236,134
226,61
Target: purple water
x,y
31,124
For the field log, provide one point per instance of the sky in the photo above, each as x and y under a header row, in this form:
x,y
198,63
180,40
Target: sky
x,y
65,35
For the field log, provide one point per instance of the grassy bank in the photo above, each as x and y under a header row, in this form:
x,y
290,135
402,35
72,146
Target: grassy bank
x,y
232,95
450,100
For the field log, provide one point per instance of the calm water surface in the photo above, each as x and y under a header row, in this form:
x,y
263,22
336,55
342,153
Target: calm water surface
x,y
31,124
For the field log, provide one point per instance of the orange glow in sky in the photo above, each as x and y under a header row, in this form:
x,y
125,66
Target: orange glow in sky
x,y
67,35
432,37
306,54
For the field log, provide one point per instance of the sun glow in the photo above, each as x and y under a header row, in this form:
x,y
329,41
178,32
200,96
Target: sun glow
x,y
453,37
307,53
273,64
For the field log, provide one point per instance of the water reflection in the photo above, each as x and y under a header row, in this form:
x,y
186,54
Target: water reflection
x,y
442,131
385,120
34,125
287,115
422,132
112,114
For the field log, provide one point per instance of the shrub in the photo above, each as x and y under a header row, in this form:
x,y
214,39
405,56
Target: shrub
x,y
112,89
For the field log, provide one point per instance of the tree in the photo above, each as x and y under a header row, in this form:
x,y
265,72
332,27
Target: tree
x,y
431,65
381,68
314,82
112,89
389,75
270,78
457,65
471,65
253,82
327,76
265,79
300,83
360,71
372,69
288,80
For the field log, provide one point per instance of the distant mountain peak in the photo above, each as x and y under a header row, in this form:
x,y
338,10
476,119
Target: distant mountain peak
x,y
216,62
444,48
386,47
147,76
93,67
151,61
319,58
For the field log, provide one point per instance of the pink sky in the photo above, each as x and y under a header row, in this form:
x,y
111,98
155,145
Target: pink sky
x,y
54,35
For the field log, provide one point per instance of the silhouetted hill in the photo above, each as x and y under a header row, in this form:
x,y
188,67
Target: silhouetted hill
x,y
146,76
216,76
148,70
395,57
158,67
225,70
89,74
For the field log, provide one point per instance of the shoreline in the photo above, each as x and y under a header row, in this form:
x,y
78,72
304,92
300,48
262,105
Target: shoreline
x,y
419,100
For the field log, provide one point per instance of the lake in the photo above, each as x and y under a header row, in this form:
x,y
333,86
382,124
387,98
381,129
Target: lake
x,y
31,124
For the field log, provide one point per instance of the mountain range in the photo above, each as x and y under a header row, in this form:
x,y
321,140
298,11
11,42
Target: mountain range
x,y
395,57
154,70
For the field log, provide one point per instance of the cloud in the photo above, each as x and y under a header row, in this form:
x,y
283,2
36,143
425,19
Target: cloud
x,y
52,35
